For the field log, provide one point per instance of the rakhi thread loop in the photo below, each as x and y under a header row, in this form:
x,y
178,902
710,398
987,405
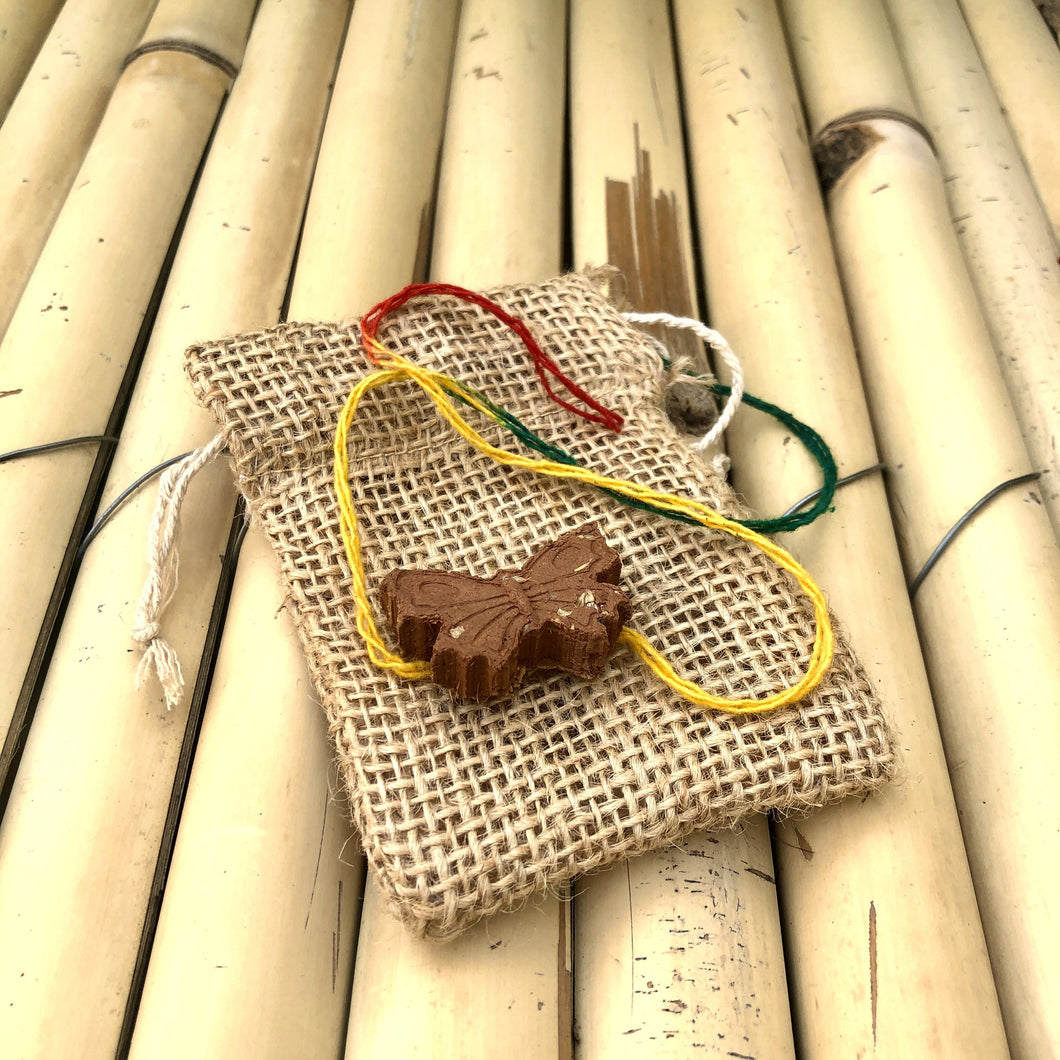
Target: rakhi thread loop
x,y
543,364
438,387
814,444
791,520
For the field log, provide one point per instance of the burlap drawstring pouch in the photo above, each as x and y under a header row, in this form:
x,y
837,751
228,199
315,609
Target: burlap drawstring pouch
x,y
466,808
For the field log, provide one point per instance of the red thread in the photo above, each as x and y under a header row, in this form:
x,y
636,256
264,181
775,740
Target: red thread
x,y
542,362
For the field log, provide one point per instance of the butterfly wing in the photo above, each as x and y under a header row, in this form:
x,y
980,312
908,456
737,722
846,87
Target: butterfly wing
x,y
423,605
579,610
583,551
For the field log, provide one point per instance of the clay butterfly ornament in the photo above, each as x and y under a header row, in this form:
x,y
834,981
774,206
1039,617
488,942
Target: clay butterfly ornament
x,y
562,610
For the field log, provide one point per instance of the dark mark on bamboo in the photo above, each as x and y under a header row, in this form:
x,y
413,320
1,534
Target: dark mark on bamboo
x,y
804,846
423,243
632,946
644,243
320,852
336,942
838,149
873,980
842,142
762,875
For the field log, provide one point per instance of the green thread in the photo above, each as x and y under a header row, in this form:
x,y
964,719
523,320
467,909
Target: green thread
x,y
814,444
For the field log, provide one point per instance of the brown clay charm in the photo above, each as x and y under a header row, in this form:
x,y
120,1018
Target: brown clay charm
x,y
561,610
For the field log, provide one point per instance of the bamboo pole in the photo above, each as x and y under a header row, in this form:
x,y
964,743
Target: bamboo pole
x,y
368,224
628,159
507,85
400,55
1023,62
629,203
499,221
499,986
24,25
247,930
881,929
94,784
73,75
254,947
72,337
990,609
681,949
853,86
1005,234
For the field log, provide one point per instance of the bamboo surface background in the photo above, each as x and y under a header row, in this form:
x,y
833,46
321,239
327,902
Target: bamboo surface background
x,y
186,883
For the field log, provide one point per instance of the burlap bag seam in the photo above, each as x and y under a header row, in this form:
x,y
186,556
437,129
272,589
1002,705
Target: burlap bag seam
x,y
467,810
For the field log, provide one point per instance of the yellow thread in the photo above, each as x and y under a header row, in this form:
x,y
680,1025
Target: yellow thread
x,y
434,384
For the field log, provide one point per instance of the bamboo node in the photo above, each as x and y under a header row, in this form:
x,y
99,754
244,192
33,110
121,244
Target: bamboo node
x,y
842,142
175,44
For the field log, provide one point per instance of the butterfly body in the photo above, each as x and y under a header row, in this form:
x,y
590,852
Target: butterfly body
x,y
561,610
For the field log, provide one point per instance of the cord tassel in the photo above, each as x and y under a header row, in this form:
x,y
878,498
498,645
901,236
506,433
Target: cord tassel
x,y
163,564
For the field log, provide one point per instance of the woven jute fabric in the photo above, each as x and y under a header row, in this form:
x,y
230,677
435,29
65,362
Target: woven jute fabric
x,y
466,809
